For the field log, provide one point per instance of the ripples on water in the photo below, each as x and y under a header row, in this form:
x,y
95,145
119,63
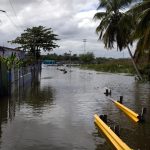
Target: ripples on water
x,y
56,112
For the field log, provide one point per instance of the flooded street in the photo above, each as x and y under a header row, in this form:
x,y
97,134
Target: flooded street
x,y
56,112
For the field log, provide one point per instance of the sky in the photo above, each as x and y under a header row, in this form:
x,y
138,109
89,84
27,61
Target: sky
x,y
71,20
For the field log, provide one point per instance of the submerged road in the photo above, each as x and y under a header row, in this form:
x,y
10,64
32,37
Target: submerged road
x,y
56,112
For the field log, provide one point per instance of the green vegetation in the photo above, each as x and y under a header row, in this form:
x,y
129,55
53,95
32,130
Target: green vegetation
x,y
141,13
11,61
87,58
112,65
61,58
115,26
88,61
36,39
100,64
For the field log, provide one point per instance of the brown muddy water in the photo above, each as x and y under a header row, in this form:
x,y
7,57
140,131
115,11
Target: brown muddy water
x,y
56,111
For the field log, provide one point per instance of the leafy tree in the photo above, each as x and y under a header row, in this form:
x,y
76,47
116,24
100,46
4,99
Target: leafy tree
x,y
36,39
115,26
50,57
66,56
101,60
74,57
87,58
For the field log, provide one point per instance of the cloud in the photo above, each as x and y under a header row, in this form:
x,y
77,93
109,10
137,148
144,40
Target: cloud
x,y
72,20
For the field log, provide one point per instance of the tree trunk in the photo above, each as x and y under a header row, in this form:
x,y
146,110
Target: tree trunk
x,y
134,64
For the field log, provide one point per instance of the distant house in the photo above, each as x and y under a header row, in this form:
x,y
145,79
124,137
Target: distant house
x,y
6,52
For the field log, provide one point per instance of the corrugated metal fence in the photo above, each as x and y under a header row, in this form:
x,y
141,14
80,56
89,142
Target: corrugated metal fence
x,y
15,78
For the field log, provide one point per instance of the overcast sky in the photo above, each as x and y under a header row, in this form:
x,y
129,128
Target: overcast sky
x,y
72,20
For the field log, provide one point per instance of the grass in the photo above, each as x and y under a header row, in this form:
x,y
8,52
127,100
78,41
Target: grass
x,y
112,66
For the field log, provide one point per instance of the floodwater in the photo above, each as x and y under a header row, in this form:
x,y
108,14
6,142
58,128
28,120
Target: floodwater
x,y
56,111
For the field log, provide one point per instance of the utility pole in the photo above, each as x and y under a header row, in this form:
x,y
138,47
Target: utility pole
x,y
70,57
84,42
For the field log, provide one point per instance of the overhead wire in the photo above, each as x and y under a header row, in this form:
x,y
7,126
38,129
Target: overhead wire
x,y
12,23
10,33
13,8
11,20
14,11
15,14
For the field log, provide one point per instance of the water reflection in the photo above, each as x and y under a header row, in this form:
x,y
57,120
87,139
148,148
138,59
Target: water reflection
x,y
3,113
7,113
38,97
28,100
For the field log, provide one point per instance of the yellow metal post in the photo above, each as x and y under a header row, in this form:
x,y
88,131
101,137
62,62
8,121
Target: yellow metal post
x,y
112,137
134,116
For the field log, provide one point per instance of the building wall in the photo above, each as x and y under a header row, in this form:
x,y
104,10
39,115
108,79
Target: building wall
x,y
15,78
7,78
6,52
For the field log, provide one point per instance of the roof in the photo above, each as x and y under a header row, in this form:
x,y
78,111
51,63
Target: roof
x,y
2,48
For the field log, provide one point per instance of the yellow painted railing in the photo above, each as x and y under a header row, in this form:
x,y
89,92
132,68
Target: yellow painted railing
x,y
112,137
134,116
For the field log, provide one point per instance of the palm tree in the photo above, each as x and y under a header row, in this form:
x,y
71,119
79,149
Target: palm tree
x,y
115,26
141,11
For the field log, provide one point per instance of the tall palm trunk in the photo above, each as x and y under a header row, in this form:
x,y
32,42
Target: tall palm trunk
x,y
148,57
134,64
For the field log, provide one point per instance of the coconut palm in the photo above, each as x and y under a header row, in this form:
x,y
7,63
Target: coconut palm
x,y
115,26
141,11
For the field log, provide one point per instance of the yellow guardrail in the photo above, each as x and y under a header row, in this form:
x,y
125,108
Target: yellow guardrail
x,y
134,116
112,137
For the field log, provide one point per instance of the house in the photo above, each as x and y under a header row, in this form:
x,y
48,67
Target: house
x,y
6,52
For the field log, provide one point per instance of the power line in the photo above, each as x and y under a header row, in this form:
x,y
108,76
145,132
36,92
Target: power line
x,y
13,8
8,17
11,4
11,20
